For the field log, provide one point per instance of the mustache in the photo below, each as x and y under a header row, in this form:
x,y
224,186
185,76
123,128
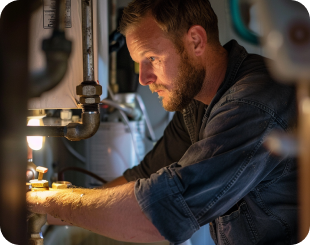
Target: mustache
x,y
153,87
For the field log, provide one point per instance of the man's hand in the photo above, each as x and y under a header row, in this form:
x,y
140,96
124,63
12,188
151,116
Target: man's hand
x,y
37,201
112,212
116,182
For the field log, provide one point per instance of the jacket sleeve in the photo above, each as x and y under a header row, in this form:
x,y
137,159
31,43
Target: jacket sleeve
x,y
170,148
214,173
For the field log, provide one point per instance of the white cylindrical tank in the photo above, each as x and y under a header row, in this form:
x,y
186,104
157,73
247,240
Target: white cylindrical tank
x,y
116,146
111,150
64,94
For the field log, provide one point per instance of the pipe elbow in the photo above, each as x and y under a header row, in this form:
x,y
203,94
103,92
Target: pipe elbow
x,y
57,51
89,126
48,78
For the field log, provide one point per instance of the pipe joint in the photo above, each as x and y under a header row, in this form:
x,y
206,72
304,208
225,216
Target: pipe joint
x,y
35,223
57,52
89,126
89,93
57,43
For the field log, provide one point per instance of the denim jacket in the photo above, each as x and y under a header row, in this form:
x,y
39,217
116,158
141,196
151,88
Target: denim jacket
x,y
227,177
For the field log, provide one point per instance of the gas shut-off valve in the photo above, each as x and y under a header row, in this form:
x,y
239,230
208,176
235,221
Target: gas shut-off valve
x,y
36,221
40,184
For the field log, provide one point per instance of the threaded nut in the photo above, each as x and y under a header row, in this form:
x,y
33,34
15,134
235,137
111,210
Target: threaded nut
x,y
90,100
89,89
39,183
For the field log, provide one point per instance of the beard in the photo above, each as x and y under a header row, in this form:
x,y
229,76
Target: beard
x,y
185,87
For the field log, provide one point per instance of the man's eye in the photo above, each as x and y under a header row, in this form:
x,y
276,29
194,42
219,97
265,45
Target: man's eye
x,y
152,59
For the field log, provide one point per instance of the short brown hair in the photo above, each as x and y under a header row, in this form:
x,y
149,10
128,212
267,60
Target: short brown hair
x,y
175,17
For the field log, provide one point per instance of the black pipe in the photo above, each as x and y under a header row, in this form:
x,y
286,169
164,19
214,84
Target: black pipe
x,y
73,131
54,131
90,125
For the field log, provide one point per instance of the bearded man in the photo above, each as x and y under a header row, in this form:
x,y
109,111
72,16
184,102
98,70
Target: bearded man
x,y
211,165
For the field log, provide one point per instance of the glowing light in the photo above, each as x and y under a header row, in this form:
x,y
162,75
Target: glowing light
x,y
35,142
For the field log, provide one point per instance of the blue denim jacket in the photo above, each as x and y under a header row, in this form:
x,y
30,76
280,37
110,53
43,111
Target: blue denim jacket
x,y
227,177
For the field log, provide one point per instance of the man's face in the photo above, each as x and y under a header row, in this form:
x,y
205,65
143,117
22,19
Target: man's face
x,y
175,77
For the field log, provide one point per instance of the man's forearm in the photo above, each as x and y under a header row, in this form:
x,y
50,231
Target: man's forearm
x,y
116,182
112,212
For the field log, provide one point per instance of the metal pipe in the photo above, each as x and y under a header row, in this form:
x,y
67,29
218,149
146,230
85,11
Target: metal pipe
x,y
88,46
35,224
88,90
54,131
59,24
77,131
113,56
131,112
73,131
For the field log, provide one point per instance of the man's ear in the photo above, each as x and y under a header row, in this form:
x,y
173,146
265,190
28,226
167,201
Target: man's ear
x,y
196,38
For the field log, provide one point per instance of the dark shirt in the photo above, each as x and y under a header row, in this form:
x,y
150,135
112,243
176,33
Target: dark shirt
x,y
211,165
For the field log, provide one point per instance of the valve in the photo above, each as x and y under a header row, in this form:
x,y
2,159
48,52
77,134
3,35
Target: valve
x,y
40,184
35,222
41,171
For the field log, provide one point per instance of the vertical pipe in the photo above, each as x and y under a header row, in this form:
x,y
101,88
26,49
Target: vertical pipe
x,y
113,56
88,46
60,17
303,96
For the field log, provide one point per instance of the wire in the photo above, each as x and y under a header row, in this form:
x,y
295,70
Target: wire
x,y
146,117
131,112
132,134
111,93
73,151
82,170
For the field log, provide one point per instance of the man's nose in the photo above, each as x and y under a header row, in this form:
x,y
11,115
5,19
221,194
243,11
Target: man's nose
x,y
146,74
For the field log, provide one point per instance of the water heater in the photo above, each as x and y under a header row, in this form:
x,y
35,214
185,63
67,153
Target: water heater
x,y
64,94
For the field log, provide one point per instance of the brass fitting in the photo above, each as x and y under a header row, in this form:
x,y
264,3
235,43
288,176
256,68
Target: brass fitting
x,y
36,221
40,184
61,185
41,171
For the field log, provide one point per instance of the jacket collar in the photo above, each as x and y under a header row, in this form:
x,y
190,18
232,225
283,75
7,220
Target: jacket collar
x,y
236,55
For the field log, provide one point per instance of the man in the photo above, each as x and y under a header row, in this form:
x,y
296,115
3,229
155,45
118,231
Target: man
x,y
211,165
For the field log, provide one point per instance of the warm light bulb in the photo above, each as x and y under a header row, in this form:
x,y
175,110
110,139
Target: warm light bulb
x,y
35,142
